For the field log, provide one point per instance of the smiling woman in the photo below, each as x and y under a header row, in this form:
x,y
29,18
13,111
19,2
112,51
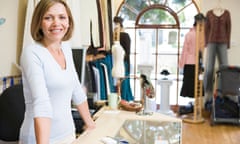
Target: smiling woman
x,y
50,80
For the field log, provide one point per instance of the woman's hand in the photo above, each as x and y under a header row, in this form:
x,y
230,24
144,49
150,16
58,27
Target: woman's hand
x,y
90,126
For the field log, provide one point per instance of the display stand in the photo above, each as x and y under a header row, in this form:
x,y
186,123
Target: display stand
x,y
145,69
197,112
165,94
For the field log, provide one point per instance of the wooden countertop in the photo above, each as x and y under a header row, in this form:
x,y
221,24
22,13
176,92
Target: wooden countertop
x,y
108,123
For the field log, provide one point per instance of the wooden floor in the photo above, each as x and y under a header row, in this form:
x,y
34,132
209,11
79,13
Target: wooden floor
x,y
204,133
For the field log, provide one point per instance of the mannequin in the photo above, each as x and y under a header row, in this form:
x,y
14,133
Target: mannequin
x,y
217,36
118,53
121,54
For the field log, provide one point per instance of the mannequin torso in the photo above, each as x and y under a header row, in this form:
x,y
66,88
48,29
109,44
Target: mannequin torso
x,y
118,60
118,53
218,10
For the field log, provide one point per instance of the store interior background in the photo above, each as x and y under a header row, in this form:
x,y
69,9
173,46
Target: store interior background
x,y
12,31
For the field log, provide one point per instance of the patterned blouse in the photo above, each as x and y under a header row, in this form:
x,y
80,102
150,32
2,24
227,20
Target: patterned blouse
x,y
218,28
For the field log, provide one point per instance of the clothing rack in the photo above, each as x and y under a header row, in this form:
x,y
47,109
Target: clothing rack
x,y
197,112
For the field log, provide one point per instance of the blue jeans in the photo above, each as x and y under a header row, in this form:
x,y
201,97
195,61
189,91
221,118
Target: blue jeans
x,y
214,50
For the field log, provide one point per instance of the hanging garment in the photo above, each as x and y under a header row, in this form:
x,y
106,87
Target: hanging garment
x,y
188,81
89,81
108,62
97,97
106,78
187,62
218,28
188,55
125,41
126,91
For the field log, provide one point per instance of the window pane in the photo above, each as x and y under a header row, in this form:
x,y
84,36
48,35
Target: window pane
x,y
145,43
168,62
157,44
168,40
177,5
128,15
136,5
186,17
157,16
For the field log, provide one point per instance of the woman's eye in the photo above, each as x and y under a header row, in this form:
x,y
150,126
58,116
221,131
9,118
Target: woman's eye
x,y
63,17
47,18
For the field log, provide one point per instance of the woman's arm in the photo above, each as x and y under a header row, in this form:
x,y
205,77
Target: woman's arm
x,y
86,116
42,129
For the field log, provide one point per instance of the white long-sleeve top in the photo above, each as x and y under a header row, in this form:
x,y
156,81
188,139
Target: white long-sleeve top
x,y
48,91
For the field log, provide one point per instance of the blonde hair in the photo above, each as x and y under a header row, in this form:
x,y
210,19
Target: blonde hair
x,y
40,10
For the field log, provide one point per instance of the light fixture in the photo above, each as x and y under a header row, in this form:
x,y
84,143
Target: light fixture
x,y
2,21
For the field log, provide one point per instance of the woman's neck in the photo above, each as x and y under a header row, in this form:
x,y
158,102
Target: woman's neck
x,y
52,45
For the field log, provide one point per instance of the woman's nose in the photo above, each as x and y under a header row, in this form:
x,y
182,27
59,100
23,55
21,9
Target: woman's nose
x,y
56,21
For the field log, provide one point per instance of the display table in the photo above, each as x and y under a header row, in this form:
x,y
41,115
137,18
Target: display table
x,y
117,123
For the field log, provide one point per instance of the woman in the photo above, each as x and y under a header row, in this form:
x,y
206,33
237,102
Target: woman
x,y
50,81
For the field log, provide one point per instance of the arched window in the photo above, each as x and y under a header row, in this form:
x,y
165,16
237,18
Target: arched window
x,y
157,29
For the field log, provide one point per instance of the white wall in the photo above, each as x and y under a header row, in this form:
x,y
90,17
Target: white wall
x,y
8,37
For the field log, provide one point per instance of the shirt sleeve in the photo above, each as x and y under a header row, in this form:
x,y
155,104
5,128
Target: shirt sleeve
x,y
35,90
228,29
207,28
79,94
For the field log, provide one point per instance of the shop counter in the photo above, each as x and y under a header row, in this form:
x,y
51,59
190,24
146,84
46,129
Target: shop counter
x,y
152,129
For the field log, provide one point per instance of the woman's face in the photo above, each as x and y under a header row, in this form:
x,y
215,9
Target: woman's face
x,y
55,23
